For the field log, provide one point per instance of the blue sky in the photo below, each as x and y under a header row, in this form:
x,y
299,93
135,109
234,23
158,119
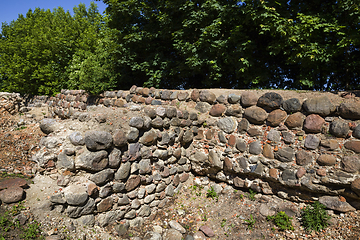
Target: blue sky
x,y
10,9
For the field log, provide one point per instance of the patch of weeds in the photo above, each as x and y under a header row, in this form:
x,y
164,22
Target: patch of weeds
x,y
204,218
282,221
8,175
32,231
20,128
314,217
15,210
196,188
241,197
5,222
251,195
212,194
251,222
204,124
223,222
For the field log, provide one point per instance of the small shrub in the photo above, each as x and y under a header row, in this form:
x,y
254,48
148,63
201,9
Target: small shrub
x,y
32,231
251,195
212,194
223,222
251,222
282,221
314,217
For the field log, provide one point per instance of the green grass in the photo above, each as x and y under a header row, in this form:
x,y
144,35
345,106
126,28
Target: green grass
x,y
282,221
251,195
314,217
212,194
251,222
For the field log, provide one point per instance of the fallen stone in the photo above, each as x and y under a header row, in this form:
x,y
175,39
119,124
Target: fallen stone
x,y
207,230
175,225
48,125
12,194
172,234
13,182
334,203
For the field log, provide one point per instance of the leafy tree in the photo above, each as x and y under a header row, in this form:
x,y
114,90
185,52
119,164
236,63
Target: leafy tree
x,y
241,44
36,49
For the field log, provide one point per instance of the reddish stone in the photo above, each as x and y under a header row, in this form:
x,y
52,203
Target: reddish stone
x,y
321,172
355,186
217,110
268,152
145,92
209,134
232,140
13,182
12,194
273,172
120,102
295,120
119,138
238,182
326,160
92,189
195,95
313,123
105,205
353,145
184,177
227,164
300,172
207,231
132,183
148,100
276,117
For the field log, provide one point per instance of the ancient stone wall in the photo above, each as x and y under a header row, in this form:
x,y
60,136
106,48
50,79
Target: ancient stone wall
x,y
123,153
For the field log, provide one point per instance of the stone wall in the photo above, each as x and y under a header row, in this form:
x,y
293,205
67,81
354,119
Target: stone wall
x,y
124,153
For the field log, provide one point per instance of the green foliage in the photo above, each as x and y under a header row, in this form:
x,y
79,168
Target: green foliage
x,y
237,44
31,232
251,222
212,194
282,221
251,195
314,217
36,49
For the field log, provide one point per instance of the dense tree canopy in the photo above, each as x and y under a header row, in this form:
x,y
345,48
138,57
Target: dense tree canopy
x,y
37,50
183,44
240,44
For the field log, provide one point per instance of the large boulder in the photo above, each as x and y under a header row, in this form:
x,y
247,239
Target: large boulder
x,y
292,105
350,110
319,105
92,161
313,123
98,140
270,101
255,115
